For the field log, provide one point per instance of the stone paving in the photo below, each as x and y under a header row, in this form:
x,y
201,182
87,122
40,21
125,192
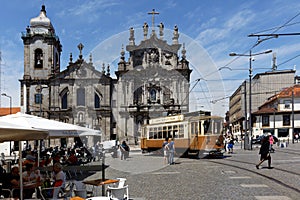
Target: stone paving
x,y
233,177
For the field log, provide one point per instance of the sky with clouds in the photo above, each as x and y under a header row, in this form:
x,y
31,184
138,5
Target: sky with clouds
x,y
210,29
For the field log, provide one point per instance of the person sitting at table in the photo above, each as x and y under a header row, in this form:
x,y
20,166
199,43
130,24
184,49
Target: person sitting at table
x,y
12,181
30,176
58,176
59,180
72,159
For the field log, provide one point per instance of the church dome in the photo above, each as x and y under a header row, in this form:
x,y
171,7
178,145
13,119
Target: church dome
x,y
41,21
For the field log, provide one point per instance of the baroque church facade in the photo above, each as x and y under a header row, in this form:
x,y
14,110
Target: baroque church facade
x,y
152,82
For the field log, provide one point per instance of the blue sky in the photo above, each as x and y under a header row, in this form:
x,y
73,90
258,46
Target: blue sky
x,y
211,29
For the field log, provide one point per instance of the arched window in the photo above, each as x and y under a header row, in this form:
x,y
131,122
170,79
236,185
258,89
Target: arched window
x,y
64,98
138,95
152,94
81,97
64,101
38,58
97,101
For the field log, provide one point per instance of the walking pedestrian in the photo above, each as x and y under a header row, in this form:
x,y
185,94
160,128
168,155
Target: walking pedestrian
x,y
166,151
271,140
230,144
124,150
171,147
264,152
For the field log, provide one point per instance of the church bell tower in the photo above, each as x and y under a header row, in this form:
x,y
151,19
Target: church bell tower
x,y
42,50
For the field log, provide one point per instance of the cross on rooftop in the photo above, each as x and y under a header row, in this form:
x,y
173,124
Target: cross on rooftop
x,y
153,13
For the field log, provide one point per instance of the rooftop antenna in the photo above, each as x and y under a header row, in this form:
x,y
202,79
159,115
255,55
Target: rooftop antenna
x,y
274,66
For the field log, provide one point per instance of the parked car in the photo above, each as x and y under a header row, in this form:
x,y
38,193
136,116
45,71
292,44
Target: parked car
x,y
257,139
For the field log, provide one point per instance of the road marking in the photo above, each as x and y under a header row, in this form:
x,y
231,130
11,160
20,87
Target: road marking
x,y
165,173
228,172
254,185
239,177
289,161
272,198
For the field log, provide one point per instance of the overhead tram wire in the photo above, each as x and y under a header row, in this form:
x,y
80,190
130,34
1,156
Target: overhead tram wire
x,y
197,81
273,35
270,29
289,60
260,41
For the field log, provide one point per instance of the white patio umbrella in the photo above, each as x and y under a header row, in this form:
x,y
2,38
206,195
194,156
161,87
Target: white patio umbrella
x,y
56,129
15,132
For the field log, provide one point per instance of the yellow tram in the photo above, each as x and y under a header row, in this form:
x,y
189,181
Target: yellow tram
x,y
193,135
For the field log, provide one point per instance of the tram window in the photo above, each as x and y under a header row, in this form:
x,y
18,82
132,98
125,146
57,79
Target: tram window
x,y
164,128
175,127
155,135
159,134
176,134
181,131
194,128
206,125
170,134
150,135
164,134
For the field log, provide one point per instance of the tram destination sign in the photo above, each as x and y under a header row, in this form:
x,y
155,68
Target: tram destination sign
x,y
166,119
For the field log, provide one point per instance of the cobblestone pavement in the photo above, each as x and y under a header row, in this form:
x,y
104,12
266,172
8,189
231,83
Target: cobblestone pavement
x,y
232,177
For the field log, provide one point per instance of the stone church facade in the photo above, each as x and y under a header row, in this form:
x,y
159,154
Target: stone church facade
x,y
152,82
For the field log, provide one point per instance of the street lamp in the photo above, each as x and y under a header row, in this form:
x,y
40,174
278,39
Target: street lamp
x,y
10,102
250,88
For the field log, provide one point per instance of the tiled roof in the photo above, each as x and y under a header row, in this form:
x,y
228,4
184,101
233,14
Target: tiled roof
x,y
6,111
285,93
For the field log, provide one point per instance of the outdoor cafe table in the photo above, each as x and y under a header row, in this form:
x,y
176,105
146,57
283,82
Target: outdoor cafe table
x,y
100,182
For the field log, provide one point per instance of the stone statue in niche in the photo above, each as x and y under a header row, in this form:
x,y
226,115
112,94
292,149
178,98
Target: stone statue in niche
x,y
153,56
168,56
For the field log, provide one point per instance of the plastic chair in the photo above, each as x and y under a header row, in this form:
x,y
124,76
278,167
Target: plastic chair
x,y
51,193
118,193
6,193
121,182
80,189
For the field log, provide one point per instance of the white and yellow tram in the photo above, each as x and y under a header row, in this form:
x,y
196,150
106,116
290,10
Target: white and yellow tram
x,y
193,135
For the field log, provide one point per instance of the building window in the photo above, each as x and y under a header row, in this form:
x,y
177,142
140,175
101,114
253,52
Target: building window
x,y
152,95
38,98
283,132
97,101
81,97
287,104
286,120
38,58
265,120
64,101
